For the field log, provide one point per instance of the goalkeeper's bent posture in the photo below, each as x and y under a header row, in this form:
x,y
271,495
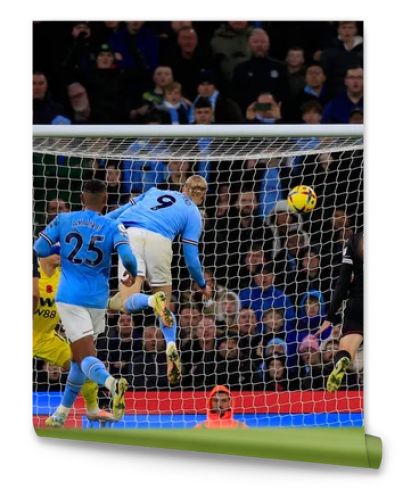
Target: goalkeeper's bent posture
x,y
87,240
350,285
153,220
47,344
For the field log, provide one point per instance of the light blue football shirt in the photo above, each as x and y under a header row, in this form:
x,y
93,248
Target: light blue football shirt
x,y
169,213
87,240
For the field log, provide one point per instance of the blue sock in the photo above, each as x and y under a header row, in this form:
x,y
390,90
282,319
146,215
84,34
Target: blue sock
x,y
94,370
136,302
76,379
169,332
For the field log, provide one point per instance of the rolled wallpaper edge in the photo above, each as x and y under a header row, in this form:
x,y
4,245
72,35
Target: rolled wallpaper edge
x,y
336,446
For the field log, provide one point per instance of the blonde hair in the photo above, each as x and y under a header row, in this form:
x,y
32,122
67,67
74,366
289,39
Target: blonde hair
x,y
196,184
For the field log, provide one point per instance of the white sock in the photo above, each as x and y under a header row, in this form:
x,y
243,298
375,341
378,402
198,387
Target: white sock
x,y
110,384
151,301
62,411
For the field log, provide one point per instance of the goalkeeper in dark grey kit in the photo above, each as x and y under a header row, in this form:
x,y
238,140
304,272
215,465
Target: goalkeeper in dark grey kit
x,y
350,287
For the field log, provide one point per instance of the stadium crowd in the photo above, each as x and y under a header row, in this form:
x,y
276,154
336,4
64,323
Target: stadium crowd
x,y
272,272
197,72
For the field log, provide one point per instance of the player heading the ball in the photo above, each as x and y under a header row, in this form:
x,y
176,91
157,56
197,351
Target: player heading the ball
x,y
87,240
153,220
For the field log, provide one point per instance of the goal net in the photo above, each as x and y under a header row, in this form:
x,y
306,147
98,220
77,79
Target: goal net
x,y
272,271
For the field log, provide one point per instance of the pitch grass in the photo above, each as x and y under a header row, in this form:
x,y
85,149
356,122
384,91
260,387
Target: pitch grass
x,y
348,446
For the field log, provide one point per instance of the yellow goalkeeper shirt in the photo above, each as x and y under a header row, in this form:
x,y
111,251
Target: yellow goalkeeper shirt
x,y
46,317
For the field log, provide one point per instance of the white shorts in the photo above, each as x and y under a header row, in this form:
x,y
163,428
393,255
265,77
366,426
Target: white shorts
x,y
154,256
81,321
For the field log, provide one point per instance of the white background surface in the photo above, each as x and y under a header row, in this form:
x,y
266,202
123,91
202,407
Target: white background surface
x,y
35,468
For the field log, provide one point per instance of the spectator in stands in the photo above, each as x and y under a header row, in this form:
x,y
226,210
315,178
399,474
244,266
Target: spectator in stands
x,y
79,102
168,34
287,262
149,362
45,110
203,112
220,411
106,86
345,52
338,109
230,45
121,349
273,325
189,317
275,348
249,341
228,367
264,295
280,221
265,110
356,116
56,206
187,60
198,363
247,323
174,106
115,197
295,68
246,230
79,52
311,112
276,375
176,175
315,89
310,367
271,185
230,309
162,77
217,305
311,275
260,73
137,46
225,110
50,378
249,263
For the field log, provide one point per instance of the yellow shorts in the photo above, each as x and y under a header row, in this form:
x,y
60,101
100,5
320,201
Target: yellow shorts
x,y
52,348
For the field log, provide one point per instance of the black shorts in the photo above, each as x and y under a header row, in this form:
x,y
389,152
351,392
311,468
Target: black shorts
x,y
353,317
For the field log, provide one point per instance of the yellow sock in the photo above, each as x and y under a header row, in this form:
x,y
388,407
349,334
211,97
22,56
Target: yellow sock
x,y
115,303
89,393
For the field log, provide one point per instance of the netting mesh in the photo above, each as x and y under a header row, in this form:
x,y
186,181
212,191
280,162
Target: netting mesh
x,y
272,272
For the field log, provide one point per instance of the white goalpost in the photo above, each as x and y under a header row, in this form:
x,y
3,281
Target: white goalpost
x,y
272,270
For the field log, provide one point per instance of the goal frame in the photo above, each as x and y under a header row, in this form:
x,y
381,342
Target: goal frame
x,y
347,130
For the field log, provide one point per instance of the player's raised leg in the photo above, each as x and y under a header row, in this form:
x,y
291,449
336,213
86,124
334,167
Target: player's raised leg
x,y
80,324
348,348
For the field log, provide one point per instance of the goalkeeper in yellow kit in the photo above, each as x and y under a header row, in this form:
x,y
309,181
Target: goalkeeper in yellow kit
x,y
47,344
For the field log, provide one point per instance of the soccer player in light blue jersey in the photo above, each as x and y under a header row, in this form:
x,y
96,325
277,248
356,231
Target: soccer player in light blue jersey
x,y
153,220
86,240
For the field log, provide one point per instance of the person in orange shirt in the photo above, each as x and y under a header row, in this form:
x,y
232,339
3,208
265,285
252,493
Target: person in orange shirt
x,y
219,411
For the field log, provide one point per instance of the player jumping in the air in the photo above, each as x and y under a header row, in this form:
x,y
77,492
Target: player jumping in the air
x,y
47,344
350,286
87,240
153,220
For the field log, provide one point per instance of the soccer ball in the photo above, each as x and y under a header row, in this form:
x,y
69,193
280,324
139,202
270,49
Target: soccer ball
x,y
302,199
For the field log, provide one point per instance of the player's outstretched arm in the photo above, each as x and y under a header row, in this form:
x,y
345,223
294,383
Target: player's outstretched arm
x,y
128,259
44,245
191,256
121,245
